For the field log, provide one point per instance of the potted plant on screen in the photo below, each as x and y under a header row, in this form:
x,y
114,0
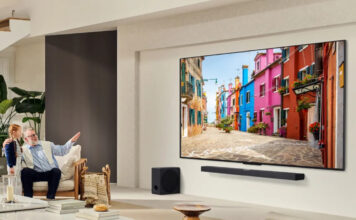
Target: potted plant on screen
x,y
314,129
303,105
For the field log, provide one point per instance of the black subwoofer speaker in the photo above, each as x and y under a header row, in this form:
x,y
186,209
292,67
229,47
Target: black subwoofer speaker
x,y
165,180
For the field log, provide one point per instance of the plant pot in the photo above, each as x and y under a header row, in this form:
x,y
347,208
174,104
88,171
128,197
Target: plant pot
x,y
316,135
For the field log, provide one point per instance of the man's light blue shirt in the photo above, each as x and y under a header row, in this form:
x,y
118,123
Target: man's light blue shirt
x,y
40,161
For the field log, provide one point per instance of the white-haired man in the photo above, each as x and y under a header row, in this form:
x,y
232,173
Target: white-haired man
x,y
39,163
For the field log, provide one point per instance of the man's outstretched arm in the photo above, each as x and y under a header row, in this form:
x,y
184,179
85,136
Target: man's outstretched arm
x,y
61,150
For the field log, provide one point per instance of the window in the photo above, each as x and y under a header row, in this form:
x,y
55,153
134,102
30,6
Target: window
x,y
262,90
192,81
241,99
233,102
192,116
308,70
285,84
248,97
284,116
198,88
285,54
258,65
302,47
275,84
255,115
199,118
261,115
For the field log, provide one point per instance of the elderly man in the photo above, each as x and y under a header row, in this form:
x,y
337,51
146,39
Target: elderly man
x,y
40,164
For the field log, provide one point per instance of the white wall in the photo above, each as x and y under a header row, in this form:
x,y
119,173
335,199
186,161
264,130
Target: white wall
x,y
148,98
26,70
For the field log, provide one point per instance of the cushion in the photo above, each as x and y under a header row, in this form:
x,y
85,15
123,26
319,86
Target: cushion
x,y
66,185
65,163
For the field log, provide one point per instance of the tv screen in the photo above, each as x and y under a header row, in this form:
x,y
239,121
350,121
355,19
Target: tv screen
x,y
277,106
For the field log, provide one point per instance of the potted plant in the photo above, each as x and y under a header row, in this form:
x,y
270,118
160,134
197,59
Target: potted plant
x,y
283,131
7,110
32,104
228,129
226,124
252,129
282,90
314,129
297,83
303,105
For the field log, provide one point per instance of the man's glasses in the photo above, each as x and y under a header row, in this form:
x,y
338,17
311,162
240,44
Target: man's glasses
x,y
32,136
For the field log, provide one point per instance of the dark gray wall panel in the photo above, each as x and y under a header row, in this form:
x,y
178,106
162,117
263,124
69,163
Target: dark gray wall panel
x,y
81,94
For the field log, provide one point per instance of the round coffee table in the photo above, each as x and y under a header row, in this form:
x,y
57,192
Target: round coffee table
x,y
191,211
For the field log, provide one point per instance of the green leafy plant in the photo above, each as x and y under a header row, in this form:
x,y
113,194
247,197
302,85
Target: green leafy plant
x,y
253,129
32,104
297,83
308,78
282,90
7,110
303,104
228,129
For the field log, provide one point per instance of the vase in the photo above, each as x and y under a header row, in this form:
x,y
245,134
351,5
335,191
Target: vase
x,y
316,135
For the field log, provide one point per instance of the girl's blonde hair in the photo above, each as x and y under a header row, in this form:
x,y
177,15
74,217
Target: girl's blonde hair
x,y
13,128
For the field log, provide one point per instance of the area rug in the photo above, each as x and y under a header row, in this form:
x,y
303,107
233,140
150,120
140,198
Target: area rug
x,y
154,214
139,212
124,205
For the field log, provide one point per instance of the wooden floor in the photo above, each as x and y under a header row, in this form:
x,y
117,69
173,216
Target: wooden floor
x,y
142,201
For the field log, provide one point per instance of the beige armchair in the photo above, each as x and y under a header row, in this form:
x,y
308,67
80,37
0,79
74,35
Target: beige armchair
x,y
71,166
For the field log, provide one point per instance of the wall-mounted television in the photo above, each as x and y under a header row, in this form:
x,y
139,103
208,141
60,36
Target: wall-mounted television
x,y
277,106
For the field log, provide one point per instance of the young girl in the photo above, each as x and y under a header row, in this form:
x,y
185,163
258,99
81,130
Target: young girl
x,y
13,151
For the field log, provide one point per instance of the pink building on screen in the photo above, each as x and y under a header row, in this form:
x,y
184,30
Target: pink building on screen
x,y
267,76
230,101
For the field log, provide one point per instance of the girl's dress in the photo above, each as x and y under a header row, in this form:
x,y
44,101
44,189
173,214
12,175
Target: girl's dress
x,y
13,153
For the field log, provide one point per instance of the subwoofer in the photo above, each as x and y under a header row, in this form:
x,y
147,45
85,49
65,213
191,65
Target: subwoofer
x,y
165,180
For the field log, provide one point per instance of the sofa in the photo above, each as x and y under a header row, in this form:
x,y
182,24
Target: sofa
x,y
71,166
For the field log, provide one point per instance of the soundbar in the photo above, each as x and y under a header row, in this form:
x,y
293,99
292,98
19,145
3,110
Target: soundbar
x,y
257,173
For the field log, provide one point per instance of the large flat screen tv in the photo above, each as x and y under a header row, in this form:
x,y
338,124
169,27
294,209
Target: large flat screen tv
x,y
277,106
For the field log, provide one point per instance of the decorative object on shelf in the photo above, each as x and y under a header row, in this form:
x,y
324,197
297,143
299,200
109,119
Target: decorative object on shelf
x,y
9,182
191,211
314,129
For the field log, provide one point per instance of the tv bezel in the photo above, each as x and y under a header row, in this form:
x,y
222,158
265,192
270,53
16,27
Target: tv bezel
x,y
272,164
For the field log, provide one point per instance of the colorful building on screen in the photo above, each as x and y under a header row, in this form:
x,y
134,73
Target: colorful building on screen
x,y
237,106
231,99
246,101
192,102
297,63
221,103
267,102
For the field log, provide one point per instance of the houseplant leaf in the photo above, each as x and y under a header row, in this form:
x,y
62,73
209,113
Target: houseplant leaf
x,y
5,105
3,89
25,93
30,106
35,119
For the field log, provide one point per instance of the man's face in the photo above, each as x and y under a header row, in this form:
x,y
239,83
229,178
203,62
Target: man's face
x,y
31,137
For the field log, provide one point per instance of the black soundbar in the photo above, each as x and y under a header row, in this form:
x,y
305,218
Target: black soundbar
x,y
258,173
